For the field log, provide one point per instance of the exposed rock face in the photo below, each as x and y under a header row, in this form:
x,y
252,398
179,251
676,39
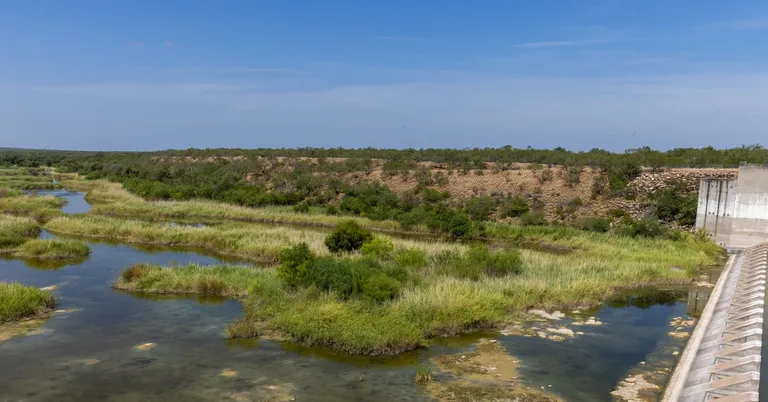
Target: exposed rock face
x,y
650,182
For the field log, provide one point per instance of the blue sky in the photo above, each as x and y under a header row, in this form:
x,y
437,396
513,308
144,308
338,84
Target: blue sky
x,y
147,75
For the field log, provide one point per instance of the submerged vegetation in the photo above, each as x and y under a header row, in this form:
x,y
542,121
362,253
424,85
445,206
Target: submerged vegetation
x,y
19,302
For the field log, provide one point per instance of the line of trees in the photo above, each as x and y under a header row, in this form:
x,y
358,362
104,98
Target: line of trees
x,y
472,158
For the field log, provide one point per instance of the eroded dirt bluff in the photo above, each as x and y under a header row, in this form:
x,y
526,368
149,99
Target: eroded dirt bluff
x,y
552,185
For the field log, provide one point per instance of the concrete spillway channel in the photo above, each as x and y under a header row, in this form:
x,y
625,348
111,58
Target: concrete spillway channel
x,y
722,359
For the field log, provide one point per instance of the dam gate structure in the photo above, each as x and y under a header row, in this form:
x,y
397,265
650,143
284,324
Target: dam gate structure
x,y
722,360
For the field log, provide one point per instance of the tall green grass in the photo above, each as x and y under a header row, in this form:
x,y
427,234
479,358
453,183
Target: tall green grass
x,y
18,301
15,231
28,182
437,303
5,172
18,226
259,242
10,192
201,209
52,249
209,281
42,208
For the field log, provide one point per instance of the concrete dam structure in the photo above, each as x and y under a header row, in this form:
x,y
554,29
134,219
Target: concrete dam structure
x,y
735,211
722,360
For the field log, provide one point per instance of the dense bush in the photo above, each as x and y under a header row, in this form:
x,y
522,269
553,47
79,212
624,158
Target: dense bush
x,y
480,208
675,204
594,224
379,248
648,227
349,278
302,207
479,262
514,207
295,264
347,237
381,287
533,219
342,276
411,258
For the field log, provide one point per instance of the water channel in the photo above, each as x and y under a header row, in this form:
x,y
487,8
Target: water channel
x,y
86,350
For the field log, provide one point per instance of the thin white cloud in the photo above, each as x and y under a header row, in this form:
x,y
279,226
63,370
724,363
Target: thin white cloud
x,y
747,24
135,44
403,39
562,43
169,43
231,69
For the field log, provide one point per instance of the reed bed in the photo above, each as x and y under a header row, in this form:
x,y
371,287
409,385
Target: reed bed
x,y
257,242
438,304
18,302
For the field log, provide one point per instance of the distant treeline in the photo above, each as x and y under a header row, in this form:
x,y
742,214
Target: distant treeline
x,y
471,158
258,177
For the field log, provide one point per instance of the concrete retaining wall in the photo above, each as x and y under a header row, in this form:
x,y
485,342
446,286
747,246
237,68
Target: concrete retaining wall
x,y
735,212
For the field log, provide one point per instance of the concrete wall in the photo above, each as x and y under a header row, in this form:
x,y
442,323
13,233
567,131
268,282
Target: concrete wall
x,y
750,208
735,212
716,200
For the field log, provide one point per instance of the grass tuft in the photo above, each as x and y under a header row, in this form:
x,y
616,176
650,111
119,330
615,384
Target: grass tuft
x,y
217,280
424,373
52,249
18,301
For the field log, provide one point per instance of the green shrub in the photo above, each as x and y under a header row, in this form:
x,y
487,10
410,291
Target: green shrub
x,y
677,235
617,213
572,175
380,287
331,210
479,262
399,272
444,258
675,204
459,226
501,263
648,227
295,264
302,207
594,224
514,207
480,208
379,248
347,237
533,219
412,258
342,276
545,176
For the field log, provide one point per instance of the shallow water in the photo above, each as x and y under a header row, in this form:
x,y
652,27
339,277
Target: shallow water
x,y
88,354
76,203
